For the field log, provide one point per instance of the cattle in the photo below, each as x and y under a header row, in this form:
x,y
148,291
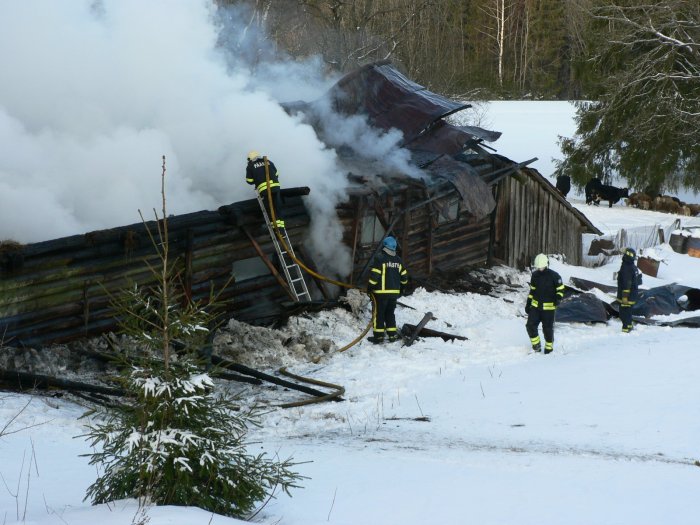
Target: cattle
x,y
597,191
640,200
591,189
564,185
611,194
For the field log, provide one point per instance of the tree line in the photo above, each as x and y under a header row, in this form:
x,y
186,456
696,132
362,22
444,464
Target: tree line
x,y
504,48
636,63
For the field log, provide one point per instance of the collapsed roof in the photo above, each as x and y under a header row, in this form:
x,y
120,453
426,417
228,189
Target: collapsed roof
x,y
442,151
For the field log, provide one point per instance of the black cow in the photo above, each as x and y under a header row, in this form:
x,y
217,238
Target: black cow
x,y
611,194
564,184
592,191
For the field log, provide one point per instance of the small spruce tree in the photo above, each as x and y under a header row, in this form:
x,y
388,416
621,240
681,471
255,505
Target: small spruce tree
x,y
176,440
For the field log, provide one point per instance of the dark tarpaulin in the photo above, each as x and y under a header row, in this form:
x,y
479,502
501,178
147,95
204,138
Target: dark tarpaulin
x,y
661,300
657,301
690,322
581,308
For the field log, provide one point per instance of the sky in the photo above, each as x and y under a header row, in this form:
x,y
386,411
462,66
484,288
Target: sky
x,y
605,430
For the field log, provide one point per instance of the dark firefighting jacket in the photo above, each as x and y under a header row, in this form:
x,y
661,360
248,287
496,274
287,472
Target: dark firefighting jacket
x,y
387,274
628,281
546,290
255,174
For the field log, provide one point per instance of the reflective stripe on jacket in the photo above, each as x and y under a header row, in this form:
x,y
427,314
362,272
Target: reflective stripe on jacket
x,y
387,274
255,174
627,282
546,289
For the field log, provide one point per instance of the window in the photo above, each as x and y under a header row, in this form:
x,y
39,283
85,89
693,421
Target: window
x,y
448,211
249,269
372,230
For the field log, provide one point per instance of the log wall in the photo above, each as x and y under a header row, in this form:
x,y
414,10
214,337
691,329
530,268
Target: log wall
x,y
425,245
59,290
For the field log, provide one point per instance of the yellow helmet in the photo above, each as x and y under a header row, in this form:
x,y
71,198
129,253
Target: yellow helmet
x,y
252,155
541,261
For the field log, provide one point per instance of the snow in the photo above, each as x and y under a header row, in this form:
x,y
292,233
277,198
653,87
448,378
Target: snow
x,y
604,430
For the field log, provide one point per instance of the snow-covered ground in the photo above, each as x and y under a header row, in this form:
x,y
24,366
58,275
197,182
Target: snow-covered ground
x,y
605,430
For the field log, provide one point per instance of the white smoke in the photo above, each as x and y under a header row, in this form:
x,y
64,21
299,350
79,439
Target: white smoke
x,y
95,92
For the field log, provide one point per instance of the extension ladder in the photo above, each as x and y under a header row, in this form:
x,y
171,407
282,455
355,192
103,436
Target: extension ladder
x,y
292,271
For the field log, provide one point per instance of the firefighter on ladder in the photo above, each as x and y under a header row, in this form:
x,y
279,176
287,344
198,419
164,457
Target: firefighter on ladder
x,y
387,280
255,174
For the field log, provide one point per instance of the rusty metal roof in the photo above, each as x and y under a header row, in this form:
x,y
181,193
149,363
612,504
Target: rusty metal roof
x,y
390,99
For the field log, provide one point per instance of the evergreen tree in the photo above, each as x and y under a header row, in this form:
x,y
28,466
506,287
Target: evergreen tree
x,y
642,124
176,440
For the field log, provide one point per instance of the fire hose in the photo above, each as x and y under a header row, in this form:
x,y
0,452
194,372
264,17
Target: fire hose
x,y
309,270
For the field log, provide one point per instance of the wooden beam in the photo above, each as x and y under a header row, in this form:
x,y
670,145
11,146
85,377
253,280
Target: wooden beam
x,y
359,212
309,262
268,263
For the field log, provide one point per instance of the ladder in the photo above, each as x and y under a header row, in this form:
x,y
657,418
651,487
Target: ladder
x,y
292,271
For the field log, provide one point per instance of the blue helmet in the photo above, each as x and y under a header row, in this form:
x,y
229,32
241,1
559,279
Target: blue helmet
x,y
390,243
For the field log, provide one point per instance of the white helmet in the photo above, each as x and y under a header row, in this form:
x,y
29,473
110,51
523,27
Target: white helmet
x,y
252,155
541,261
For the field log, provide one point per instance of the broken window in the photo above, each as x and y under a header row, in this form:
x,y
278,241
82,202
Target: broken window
x,y
448,211
248,269
372,230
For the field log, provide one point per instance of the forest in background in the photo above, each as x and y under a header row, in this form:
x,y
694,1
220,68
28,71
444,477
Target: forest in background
x,y
464,48
635,63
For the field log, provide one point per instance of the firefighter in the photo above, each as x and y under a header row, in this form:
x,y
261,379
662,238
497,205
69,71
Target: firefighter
x,y
387,280
546,291
255,175
627,287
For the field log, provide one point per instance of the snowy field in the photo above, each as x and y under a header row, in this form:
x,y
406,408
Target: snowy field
x,y
605,430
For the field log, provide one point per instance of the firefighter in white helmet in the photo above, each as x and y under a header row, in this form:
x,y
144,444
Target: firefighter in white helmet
x,y
255,174
546,291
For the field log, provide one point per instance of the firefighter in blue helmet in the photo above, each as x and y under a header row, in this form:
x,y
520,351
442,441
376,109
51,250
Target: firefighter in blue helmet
x,y
255,174
546,291
387,281
627,287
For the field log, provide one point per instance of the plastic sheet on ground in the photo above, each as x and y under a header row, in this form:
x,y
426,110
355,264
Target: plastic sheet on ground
x,y
582,308
671,299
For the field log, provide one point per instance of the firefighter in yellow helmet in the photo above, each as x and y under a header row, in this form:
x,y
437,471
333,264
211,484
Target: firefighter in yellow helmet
x,y
255,174
546,291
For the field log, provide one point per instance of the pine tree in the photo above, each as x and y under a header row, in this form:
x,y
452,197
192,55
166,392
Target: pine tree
x,y
176,440
642,123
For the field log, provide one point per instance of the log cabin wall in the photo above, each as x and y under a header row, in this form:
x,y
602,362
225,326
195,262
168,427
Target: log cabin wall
x,y
59,290
427,240
531,218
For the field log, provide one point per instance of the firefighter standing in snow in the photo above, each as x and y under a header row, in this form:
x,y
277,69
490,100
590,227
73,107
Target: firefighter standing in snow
x,y
255,175
546,290
627,287
387,279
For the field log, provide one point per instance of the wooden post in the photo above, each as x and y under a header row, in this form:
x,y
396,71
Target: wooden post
x,y
268,263
188,263
359,212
